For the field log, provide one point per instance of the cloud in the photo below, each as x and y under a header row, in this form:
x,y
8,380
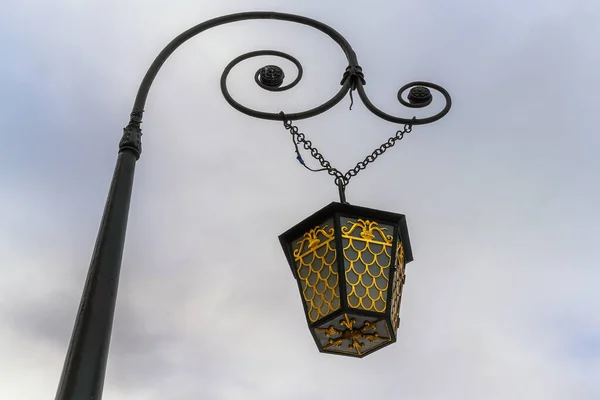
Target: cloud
x,y
500,198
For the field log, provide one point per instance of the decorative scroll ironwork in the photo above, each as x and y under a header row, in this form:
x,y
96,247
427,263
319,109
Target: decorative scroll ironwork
x,y
367,255
315,257
271,78
354,336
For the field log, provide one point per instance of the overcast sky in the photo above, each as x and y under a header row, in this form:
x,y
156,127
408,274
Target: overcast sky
x,y
501,196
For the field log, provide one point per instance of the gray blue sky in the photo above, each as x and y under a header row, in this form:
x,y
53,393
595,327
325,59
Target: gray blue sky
x,y
501,197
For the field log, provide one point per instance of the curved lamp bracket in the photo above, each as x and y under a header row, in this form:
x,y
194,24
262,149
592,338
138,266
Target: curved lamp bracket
x,y
271,78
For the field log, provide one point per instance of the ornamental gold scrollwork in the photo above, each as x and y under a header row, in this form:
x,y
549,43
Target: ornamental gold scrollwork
x,y
315,257
368,230
367,255
356,336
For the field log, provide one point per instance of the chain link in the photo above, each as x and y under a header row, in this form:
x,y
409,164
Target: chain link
x,y
341,179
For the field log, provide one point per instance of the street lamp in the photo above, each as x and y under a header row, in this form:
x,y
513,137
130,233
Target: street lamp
x,y
349,261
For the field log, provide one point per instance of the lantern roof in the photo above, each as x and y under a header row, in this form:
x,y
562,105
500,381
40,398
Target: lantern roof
x,y
347,209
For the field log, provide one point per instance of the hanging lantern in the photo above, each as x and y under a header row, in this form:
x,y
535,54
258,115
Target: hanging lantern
x,y
349,264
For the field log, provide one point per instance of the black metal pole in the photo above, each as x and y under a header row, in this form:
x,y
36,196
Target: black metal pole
x,y
85,364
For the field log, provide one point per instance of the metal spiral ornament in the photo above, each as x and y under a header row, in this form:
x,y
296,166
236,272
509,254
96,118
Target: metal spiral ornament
x,y
271,78
419,96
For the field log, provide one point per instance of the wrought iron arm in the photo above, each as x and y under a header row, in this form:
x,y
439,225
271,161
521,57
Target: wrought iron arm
x,y
142,94
271,78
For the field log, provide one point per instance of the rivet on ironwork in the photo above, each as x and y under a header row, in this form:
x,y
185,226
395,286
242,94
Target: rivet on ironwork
x,y
271,75
419,95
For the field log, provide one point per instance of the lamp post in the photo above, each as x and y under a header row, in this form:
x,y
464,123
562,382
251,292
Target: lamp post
x,y
349,261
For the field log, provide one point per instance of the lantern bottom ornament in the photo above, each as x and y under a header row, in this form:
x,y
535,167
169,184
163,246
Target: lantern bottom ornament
x,y
349,263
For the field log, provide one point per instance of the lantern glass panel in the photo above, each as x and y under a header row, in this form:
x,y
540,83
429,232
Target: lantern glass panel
x,y
397,285
314,255
367,247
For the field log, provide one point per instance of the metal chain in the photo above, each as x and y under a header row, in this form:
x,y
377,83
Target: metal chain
x,y
300,138
341,180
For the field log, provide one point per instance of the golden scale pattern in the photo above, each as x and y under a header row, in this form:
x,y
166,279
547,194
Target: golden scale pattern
x,y
397,287
315,258
367,250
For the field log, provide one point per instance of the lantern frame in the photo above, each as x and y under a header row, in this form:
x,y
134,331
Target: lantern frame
x,y
346,315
